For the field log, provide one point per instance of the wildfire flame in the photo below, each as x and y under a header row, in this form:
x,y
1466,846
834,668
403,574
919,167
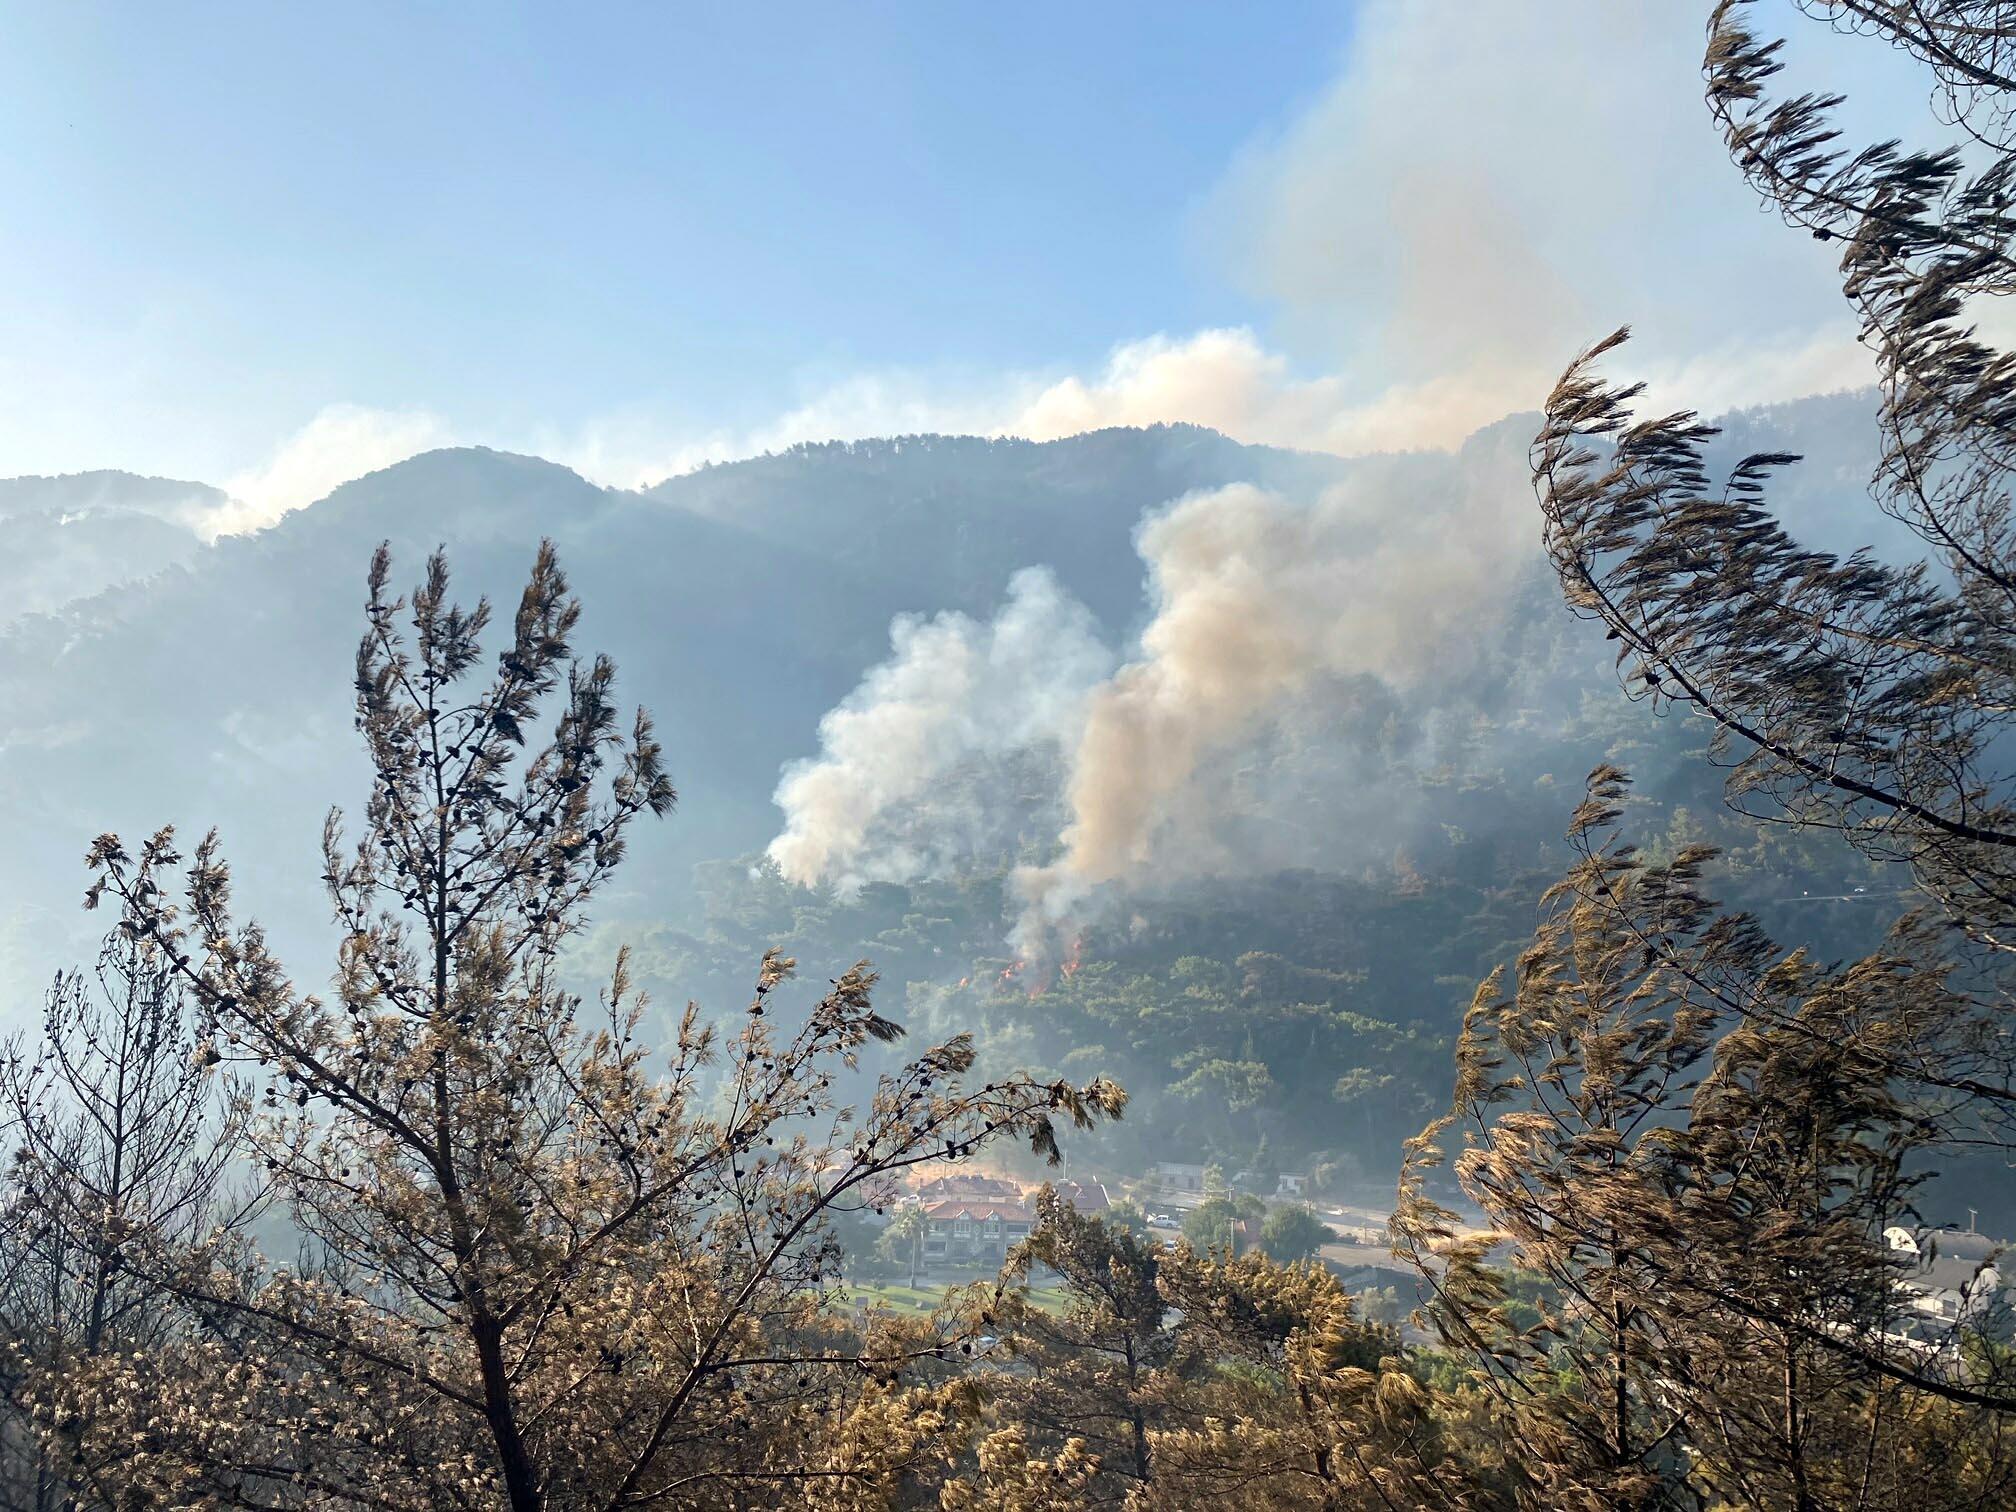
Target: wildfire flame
x,y
1074,957
1037,974
1033,975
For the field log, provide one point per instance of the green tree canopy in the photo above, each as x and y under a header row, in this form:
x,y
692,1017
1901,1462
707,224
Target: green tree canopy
x,y
1293,1232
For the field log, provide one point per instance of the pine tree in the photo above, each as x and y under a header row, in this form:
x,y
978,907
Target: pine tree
x,y
1092,1373
123,1142
1694,1141
1289,1399
1589,1050
546,1263
1849,693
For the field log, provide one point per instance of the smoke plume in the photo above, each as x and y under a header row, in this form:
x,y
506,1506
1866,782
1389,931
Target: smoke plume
x,y
1268,614
1261,602
903,784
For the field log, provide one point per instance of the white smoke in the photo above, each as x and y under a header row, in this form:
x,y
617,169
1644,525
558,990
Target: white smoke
x,y
1261,601
342,442
893,794
1264,608
1444,264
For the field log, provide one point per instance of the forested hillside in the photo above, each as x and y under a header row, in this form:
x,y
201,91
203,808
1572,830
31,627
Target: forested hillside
x,y
1283,977
1106,806
227,669
1389,840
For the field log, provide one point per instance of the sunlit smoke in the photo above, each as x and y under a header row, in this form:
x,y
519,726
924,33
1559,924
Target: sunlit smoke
x,y
1264,607
877,804
1261,600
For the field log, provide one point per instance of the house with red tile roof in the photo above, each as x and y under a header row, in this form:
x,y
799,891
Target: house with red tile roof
x,y
968,1184
974,1230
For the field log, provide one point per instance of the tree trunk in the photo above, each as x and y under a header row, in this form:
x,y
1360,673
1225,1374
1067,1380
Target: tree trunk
x,y
1795,1453
1134,1415
521,1484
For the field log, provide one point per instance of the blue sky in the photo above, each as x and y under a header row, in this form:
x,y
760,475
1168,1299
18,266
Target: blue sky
x,y
244,210
631,236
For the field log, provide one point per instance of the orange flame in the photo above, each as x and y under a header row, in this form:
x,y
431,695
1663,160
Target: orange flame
x,y
1075,956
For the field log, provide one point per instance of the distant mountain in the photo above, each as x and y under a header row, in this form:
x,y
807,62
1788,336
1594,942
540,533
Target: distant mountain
x,y
70,537
146,677
1392,840
203,685
946,519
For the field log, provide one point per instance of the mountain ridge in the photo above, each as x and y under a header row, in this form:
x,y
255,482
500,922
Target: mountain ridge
x,y
742,603
217,686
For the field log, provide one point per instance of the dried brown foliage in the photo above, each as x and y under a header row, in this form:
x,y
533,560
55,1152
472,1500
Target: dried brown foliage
x,y
545,1263
1693,1141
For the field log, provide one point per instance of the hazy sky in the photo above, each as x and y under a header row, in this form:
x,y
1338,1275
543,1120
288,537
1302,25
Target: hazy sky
x,y
271,246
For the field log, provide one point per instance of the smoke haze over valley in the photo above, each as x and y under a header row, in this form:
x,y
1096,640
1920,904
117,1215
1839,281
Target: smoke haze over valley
x,y
906,758
1104,664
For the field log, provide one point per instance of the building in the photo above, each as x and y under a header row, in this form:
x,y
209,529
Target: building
x,y
973,1220
1172,1176
1087,1197
1952,1275
968,1184
976,1231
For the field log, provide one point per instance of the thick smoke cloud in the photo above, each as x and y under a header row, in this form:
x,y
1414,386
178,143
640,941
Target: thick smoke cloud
x,y
1485,188
1262,607
1262,601
892,795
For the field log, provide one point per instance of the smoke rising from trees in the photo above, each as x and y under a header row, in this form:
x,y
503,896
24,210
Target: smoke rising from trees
x,y
877,804
1261,605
